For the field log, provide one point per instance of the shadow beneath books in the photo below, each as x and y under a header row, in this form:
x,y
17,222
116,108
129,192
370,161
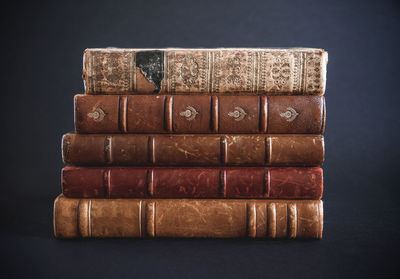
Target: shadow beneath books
x,y
204,242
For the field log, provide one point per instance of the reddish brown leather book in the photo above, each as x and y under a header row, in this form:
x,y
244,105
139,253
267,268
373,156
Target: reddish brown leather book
x,y
99,218
192,182
206,149
199,114
252,71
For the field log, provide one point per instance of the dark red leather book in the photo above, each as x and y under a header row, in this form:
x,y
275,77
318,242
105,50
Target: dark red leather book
x,y
193,182
199,114
191,150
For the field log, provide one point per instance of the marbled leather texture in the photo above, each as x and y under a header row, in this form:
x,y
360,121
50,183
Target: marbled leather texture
x,y
200,150
193,182
199,114
100,218
262,71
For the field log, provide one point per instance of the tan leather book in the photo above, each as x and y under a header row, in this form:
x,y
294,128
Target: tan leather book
x,y
247,71
219,218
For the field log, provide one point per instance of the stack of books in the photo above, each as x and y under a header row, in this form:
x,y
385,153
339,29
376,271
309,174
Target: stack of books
x,y
196,143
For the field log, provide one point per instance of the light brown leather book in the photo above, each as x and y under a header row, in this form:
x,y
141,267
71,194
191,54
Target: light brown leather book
x,y
247,71
216,218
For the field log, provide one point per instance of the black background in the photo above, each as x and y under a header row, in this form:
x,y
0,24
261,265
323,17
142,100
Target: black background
x,y
42,46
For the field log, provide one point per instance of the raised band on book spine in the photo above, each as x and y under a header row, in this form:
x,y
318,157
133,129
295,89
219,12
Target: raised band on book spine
x,y
199,114
190,149
244,71
77,218
186,182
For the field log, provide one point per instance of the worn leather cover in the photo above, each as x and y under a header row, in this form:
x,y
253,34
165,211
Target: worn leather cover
x,y
263,71
99,218
193,182
189,149
199,114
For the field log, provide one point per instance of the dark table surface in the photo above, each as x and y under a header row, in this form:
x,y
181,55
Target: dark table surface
x,y
42,51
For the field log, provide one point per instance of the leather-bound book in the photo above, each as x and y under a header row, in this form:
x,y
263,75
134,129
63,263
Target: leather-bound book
x,y
189,149
100,218
199,114
193,182
262,71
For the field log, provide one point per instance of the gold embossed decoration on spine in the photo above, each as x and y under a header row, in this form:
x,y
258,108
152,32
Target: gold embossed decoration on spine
x,y
107,70
296,71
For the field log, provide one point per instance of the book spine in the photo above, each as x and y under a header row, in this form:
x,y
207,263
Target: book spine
x,y
205,71
192,182
99,218
173,150
199,114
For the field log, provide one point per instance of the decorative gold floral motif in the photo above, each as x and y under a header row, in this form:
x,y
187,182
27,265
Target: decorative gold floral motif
x,y
290,114
238,114
110,71
190,113
234,68
313,73
109,68
97,115
189,71
281,71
